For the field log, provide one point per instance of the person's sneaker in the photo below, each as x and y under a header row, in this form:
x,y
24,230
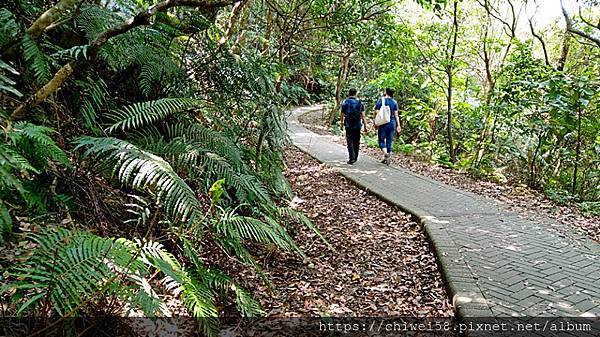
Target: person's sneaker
x,y
351,162
387,161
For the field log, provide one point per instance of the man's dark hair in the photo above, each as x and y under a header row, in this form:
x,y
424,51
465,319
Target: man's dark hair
x,y
389,92
352,92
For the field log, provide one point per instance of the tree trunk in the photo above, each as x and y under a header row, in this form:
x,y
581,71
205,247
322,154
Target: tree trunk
x,y
577,150
490,117
241,38
564,51
268,30
449,72
341,80
480,149
281,76
571,27
50,16
48,89
236,13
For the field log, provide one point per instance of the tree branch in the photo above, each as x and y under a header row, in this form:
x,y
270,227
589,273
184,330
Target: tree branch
x,y
50,16
142,18
238,8
539,37
571,28
597,26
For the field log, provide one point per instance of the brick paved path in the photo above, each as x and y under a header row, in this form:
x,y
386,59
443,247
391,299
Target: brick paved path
x,y
495,262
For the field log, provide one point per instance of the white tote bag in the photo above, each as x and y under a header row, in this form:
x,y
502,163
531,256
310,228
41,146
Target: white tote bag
x,y
383,115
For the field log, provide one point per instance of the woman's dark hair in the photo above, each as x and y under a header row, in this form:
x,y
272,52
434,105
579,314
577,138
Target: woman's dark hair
x,y
389,92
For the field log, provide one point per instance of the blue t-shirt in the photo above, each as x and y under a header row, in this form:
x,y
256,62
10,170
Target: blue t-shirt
x,y
352,109
393,107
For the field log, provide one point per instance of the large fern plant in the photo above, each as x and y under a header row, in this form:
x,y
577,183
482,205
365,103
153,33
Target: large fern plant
x,y
145,172
171,162
29,150
70,269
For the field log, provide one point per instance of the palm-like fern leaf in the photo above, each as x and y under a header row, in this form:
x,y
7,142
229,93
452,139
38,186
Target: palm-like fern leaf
x,y
68,268
190,155
36,60
196,294
241,227
95,92
5,221
41,146
7,84
249,189
11,159
145,171
140,114
9,28
210,139
245,303
73,53
154,69
94,20
290,214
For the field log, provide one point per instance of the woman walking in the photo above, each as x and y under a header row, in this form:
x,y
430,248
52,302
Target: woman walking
x,y
385,132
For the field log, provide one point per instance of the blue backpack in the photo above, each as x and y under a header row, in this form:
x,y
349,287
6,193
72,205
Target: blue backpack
x,y
353,112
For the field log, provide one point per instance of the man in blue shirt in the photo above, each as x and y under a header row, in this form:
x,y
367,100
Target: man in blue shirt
x,y
353,112
385,132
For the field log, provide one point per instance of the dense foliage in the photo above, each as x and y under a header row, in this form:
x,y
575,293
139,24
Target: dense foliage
x,y
141,140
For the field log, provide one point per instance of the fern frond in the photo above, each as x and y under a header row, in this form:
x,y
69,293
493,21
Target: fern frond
x,y
141,114
236,247
9,28
11,158
94,20
239,227
245,303
67,268
190,155
154,69
148,74
41,145
5,221
73,53
36,60
271,174
293,215
7,84
144,172
196,295
248,188
183,155
210,139
139,209
94,99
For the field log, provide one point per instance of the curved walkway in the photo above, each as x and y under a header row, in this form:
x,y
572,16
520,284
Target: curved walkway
x,y
494,262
